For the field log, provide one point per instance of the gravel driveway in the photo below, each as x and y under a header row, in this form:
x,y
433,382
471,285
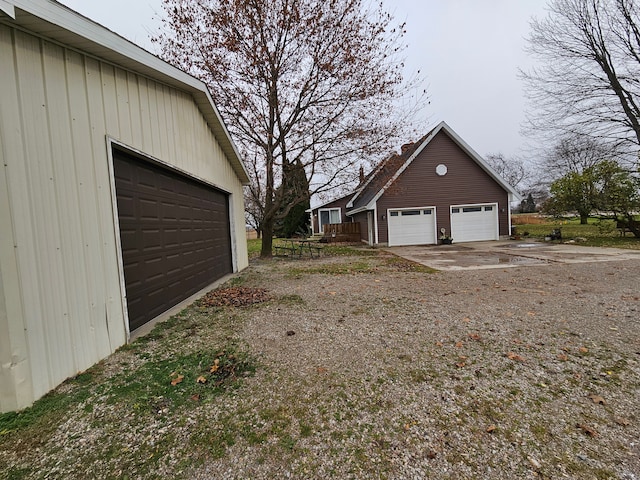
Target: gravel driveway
x,y
514,373
372,368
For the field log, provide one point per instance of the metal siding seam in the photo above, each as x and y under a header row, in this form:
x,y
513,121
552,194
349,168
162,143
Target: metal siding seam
x,y
135,114
33,258
105,241
64,352
14,210
91,319
109,99
122,105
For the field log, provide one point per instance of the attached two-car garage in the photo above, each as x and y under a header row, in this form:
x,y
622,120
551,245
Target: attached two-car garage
x,y
418,226
174,234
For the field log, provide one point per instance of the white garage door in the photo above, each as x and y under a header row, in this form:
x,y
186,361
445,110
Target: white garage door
x,y
474,223
415,226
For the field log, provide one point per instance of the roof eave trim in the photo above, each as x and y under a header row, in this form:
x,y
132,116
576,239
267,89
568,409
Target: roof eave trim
x,y
479,160
96,40
8,8
359,210
331,201
406,164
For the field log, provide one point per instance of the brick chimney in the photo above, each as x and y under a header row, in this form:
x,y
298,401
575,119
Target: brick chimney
x,y
406,147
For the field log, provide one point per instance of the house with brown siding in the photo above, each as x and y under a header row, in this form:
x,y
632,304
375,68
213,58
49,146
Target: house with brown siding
x,y
332,212
436,186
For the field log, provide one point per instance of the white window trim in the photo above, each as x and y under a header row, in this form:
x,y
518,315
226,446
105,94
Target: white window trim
x,y
328,210
485,204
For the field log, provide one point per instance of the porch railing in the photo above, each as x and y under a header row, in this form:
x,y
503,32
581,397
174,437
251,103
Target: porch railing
x,y
341,232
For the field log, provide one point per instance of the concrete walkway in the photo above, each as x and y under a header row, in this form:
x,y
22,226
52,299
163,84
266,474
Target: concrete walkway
x,y
508,253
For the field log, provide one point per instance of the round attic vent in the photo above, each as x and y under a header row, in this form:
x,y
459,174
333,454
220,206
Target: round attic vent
x,y
441,169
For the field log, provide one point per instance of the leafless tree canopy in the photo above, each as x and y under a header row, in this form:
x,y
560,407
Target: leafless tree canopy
x,y
589,81
513,170
298,82
575,154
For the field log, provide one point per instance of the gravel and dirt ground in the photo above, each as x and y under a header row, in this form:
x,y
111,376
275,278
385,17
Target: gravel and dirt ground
x,y
368,366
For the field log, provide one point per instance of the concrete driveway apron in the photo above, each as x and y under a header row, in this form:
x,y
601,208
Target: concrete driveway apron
x,y
508,253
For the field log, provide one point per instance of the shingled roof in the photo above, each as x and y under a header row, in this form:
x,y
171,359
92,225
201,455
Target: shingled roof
x,y
382,174
389,169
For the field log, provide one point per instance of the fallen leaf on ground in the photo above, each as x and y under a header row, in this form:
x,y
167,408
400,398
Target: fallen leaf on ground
x,y
622,422
474,336
466,319
515,357
584,349
562,357
201,379
459,344
597,399
491,428
587,429
235,297
176,380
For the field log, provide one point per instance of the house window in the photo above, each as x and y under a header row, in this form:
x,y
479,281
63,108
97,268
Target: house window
x,y
455,210
393,214
488,208
328,216
406,213
427,212
471,209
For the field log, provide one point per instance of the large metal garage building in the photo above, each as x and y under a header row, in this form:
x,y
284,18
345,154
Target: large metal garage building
x,y
120,194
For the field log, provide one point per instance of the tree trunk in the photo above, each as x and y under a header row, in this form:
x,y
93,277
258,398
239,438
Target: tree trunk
x,y
633,225
584,217
267,240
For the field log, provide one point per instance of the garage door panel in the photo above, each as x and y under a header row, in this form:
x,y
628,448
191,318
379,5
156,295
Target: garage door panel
x,y
174,234
411,226
474,223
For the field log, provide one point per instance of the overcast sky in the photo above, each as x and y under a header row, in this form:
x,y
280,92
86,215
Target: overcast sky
x,y
469,51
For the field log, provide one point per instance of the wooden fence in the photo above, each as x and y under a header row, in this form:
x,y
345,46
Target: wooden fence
x,y
341,232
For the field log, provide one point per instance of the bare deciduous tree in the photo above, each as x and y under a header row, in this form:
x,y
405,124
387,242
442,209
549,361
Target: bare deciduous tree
x,y
299,82
588,83
512,170
574,154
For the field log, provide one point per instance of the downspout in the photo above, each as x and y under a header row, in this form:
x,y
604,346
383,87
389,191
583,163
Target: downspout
x,y
375,223
508,216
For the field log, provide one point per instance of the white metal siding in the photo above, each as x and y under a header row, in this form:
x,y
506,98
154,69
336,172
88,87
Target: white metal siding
x,y
58,107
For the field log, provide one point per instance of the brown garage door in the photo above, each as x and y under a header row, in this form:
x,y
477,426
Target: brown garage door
x,y
174,232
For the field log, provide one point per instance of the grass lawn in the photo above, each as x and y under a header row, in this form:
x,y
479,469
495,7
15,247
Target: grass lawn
x,y
597,233
254,246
